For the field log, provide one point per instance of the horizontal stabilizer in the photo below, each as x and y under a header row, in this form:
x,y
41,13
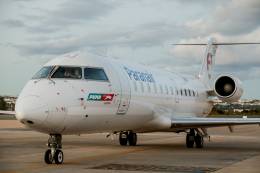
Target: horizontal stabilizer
x,y
217,44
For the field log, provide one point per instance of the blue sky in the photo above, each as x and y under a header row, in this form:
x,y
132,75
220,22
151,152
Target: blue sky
x,y
33,31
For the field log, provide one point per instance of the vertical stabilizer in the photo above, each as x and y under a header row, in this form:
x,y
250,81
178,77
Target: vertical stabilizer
x,y
208,62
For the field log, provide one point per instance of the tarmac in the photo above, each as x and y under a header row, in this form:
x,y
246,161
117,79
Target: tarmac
x,y
22,150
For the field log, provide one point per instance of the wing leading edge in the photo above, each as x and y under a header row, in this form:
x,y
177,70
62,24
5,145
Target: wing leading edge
x,y
186,123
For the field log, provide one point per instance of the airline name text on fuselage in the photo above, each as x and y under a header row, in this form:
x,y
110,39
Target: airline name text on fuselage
x,y
139,76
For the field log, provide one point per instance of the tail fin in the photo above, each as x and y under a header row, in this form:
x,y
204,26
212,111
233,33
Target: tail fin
x,y
208,61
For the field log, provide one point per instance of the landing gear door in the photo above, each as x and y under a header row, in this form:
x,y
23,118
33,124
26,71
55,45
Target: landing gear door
x,y
125,93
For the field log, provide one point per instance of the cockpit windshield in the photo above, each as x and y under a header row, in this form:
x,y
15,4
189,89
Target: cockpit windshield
x,y
68,73
97,74
43,73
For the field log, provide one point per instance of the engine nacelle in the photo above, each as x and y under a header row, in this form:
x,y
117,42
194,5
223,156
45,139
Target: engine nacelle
x,y
228,89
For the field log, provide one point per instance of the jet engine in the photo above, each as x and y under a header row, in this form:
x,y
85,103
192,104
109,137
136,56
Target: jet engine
x,y
228,89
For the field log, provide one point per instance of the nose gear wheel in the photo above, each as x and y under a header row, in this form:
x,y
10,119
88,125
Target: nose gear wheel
x,y
54,153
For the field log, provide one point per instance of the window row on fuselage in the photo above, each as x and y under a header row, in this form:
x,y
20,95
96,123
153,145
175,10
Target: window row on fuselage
x,y
154,88
66,72
188,92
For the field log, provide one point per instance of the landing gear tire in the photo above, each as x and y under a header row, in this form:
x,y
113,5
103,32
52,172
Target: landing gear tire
x,y
196,138
132,139
199,141
58,157
54,153
48,157
127,137
189,140
123,138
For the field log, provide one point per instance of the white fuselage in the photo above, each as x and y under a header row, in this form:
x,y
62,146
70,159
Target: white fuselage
x,y
139,98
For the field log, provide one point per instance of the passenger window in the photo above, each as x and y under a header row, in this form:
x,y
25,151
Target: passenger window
x,y
149,87
142,86
171,89
135,86
155,88
68,73
189,93
166,89
43,73
185,92
161,89
95,74
181,92
194,93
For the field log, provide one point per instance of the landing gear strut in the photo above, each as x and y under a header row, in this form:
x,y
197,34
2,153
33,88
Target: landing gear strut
x,y
54,153
192,138
127,137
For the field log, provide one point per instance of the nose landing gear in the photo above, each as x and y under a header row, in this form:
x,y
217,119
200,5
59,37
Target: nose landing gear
x,y
54,153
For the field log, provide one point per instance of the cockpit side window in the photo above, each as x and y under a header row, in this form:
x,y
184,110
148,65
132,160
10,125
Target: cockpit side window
x,y
43,73
95,74
68,73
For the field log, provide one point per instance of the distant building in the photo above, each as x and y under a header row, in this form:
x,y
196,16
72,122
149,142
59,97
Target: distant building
x,y
10,102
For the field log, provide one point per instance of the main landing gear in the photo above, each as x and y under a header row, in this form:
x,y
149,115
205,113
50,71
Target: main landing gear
x,y
127,137
194,137
54,153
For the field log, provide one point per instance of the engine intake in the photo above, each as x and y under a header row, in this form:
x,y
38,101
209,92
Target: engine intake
x,y
228,89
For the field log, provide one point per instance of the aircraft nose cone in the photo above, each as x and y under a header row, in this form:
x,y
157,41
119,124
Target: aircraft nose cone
x,y
31,110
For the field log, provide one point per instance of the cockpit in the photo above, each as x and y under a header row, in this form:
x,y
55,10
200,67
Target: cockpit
x,y
67,72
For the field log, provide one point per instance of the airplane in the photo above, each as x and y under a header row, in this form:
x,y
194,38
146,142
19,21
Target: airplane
x,y
80,93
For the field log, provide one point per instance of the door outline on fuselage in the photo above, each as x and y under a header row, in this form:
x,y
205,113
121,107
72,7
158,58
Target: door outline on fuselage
x,y
125,93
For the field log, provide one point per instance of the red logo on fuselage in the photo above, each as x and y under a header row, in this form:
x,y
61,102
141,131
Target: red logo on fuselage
x,y
107,97
209,60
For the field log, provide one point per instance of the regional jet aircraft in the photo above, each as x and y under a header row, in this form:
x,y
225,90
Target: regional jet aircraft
x,y
81,93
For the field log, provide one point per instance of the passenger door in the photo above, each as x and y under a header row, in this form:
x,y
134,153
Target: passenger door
x,y
125,92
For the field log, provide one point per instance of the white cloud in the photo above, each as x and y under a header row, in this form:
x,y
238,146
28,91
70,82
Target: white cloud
x,y
140,29
230,18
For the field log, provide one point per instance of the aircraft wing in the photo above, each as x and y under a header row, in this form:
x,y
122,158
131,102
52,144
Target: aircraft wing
x,y
186,123
7,112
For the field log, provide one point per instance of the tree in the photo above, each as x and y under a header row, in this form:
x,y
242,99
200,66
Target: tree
x,y
2,103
